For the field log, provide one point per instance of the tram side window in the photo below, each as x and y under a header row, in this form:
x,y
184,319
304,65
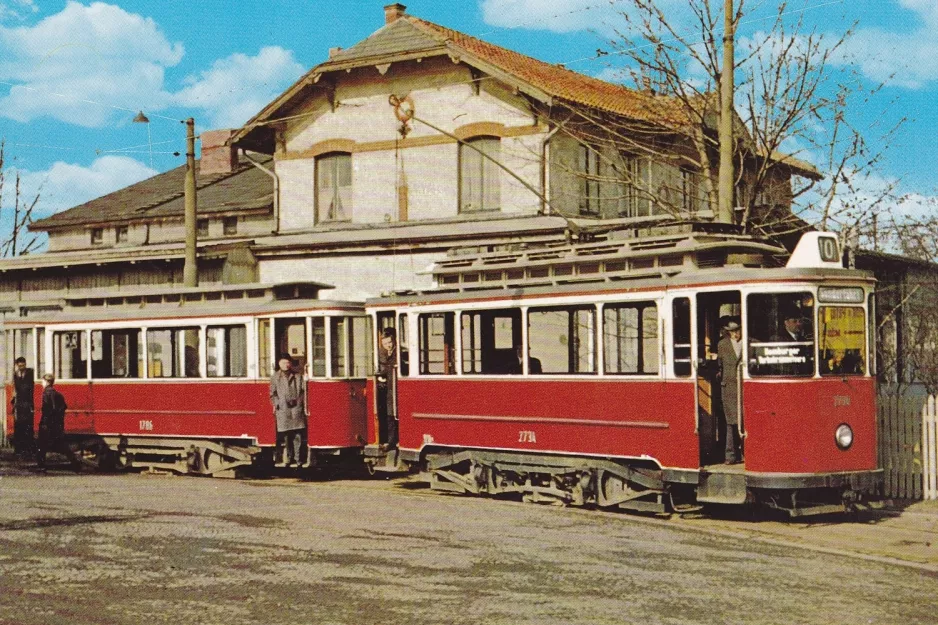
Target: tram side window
x,y
563,339
781,334
264,365
403,346
116,353
491,342
318,369
70,355
436,339
226,351
682,344
841,340
351,347
360,347
630,335
173,353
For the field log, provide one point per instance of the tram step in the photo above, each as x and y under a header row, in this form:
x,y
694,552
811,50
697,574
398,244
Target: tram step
x,y
726,488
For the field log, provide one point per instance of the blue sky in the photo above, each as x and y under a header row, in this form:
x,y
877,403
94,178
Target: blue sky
x,y
73,74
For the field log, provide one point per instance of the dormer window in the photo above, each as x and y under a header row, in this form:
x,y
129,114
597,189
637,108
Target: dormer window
x,y
97,236
334,187
121,234
479,180
230,225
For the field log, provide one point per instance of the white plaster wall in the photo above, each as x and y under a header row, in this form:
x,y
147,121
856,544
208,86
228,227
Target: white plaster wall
x,y
432,181
441,95
356,278
297,194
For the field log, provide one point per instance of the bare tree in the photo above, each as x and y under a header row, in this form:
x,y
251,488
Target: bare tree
x,y
17,240
795,102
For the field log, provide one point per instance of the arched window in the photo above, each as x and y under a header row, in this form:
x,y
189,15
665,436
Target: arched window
x,y
479,179
334,187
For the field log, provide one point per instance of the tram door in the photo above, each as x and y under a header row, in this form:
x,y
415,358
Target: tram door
x,y
714,312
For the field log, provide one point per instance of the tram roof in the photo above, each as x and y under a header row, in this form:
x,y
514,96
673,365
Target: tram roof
x,y
652,280
186,302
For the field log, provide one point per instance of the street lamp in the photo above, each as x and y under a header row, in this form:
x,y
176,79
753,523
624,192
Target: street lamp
x,y
143,119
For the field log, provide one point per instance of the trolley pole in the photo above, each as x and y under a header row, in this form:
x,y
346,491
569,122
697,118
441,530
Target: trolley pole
x,y
727,175
190,272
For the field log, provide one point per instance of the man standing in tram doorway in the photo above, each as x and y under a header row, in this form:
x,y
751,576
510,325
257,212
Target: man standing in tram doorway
x,y
387,388
23,408
288,398
729,354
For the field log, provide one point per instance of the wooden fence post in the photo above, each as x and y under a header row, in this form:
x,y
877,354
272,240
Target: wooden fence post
x,y
930,448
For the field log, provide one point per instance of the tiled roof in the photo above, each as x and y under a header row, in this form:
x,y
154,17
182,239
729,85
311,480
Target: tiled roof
x,y
161,197
410,37
560,82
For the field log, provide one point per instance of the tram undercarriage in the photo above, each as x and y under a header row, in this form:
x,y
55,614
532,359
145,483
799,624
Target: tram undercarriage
x,y
641,486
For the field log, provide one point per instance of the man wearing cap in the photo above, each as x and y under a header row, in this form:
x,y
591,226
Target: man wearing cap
x,y
729,354
288,398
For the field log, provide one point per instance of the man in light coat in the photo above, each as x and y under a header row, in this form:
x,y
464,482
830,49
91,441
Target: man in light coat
x,y
288,398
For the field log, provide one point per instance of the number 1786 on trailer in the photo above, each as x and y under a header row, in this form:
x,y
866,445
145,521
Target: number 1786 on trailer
x,y
526,436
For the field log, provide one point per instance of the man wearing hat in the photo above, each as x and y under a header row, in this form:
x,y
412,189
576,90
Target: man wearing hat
x,y
288,398
729,354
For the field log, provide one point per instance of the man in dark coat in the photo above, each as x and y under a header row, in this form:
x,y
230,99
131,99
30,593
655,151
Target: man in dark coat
x,y
387,388
23,408
288,398
729,354
52,425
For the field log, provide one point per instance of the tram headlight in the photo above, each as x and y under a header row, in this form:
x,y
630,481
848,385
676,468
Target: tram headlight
x,y
843,436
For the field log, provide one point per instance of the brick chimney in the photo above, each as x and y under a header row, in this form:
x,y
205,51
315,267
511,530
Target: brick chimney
x,y
217,156
393,11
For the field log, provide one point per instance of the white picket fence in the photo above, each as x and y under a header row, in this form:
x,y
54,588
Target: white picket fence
x,y
930,448
908,446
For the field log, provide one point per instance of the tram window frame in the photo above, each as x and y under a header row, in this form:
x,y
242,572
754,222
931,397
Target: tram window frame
x,y
540,350
361,349
106,358
770,352
440,340
180,368
488,347
681,337
831,362
265,365
403,346
318,362
233,344
75,341
647,357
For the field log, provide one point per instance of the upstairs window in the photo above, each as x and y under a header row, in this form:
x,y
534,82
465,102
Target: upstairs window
x,y
201,227
121,233
479,180
229,225
589,180
97,236
334,187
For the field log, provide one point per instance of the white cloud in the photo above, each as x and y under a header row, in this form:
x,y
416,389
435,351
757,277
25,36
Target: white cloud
x,y
237,87
17,9
551,15
905,59
97,53
64,185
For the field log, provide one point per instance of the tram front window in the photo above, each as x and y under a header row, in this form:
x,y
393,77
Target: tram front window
x,y
781,334
841,340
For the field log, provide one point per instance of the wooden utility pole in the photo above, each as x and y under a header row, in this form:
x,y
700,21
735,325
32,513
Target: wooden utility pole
x,y
726,204
190,271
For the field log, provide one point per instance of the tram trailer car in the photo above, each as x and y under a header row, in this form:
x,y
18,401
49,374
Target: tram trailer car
x,y
179,379
589,376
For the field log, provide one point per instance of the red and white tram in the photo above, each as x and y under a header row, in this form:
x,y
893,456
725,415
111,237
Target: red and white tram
x,y
587,374
179,378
